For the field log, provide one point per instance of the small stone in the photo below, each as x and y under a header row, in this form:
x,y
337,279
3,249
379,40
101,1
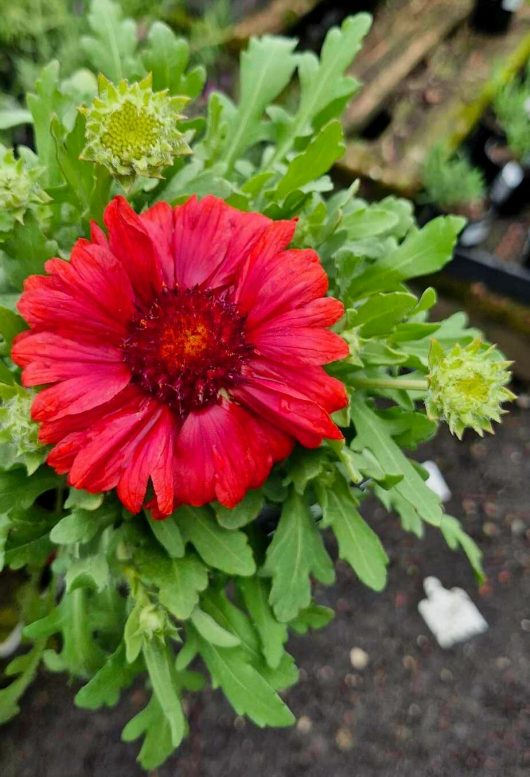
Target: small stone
x,y
470,506
403,733
239,723
304,724
325,673
344,739
518,527
414,711
353,680
525,624
446,675
359,658
490,529
491,509
502,663
410,663
504,577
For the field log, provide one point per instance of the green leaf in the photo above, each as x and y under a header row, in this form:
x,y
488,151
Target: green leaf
x,y
10,326
381,312
179,580
368,222
245,688
166,58
25,667
161,670
265,70
83,499
91,571
78,174
305,465
424,251
323,84
158,740
211,631
27,250
43,104
323,150
13,117
455,536
222,549
82,525
296,552
273,635
168,535
243,513
111,49
359,545
372,433
104,688
313,617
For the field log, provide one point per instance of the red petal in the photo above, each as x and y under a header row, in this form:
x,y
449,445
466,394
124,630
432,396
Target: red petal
x,y
48,358
159,223
222,452
152,452
76,395
288,410
307,345
278,281
131,242
212,239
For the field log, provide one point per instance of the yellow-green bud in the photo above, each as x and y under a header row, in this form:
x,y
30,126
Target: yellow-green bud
x,y
467,386
132,130
18,433
20,190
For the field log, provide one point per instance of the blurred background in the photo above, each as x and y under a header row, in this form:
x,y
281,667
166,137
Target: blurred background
x,y
443,118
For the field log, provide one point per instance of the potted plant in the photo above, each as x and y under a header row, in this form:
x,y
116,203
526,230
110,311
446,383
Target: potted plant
x,y
510,189
452,185
197,330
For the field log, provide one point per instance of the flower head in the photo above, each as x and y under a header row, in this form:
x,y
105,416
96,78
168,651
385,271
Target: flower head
x,y
185,349
20,190
132,130
467,386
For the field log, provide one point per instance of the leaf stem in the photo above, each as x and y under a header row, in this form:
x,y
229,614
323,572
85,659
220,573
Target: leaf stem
x,y
408,384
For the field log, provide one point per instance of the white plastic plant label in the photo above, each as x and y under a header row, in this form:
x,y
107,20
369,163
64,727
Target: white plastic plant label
x,y
511,5
436,481
450,614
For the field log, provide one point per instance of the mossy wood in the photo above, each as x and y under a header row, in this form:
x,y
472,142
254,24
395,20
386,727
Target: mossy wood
x,y
438,101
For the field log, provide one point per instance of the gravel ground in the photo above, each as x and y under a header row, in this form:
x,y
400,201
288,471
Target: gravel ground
x,y
414,709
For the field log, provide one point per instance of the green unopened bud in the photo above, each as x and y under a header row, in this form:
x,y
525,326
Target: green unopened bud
x,y
152,621
18,433
20,190
467,386
132,130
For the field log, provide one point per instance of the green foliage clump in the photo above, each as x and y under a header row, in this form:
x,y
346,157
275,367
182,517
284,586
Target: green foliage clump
x,y
451,182
512,107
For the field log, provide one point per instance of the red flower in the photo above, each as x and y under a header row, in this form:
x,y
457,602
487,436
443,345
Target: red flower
x,y
186,348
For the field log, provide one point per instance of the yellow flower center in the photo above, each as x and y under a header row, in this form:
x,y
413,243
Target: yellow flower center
x,y
131,132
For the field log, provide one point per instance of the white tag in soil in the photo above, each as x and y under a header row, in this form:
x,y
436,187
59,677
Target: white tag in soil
x,y
451,615
436,481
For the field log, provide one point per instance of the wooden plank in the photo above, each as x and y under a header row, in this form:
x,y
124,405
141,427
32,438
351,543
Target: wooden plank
x,y
275,18
401,37
442,103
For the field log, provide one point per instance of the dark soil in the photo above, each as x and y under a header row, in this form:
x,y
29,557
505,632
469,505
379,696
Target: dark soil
x,y
415,709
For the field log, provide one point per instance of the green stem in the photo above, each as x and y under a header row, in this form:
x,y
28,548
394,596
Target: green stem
x,y
421,384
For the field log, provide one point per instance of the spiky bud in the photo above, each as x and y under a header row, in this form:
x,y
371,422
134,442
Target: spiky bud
x,y
20,190
467,386
133,131
18,433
